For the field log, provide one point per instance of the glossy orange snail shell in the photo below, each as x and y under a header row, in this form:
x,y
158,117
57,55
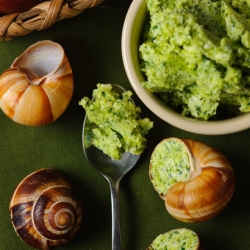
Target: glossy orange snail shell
x,y
38,87
209,188
45,211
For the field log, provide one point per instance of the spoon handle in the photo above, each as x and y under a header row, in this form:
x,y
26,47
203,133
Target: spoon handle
x,y
116,234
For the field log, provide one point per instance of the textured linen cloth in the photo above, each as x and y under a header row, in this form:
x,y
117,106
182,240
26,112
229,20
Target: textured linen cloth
x,y
92,42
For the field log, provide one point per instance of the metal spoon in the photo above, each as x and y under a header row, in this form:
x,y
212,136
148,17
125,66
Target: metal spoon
x,y
112,170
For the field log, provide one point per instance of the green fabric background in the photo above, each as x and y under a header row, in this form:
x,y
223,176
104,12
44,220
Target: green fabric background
x,y
92,43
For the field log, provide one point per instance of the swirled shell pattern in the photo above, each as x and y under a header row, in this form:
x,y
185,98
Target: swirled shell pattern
x,y
44,210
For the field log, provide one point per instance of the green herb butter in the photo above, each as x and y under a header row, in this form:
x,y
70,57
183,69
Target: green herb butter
x,y
177,239
196,55
169,164
119,126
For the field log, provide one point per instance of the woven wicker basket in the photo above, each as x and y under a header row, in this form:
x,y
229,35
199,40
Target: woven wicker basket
x,y
41,17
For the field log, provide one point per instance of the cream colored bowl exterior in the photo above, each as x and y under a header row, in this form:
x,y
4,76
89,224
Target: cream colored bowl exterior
x,y
133,24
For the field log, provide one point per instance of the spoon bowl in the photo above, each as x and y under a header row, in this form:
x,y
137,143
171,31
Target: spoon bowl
x,y
112,170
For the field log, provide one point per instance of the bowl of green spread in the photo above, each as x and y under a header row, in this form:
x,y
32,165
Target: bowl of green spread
x,y
189,62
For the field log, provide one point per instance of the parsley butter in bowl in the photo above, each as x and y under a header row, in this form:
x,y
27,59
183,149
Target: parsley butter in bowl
x,y
189,62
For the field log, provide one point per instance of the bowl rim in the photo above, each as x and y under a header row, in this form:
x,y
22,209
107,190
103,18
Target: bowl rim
x,y
221,127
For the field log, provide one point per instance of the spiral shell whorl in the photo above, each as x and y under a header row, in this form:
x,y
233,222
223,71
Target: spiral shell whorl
x,y
201,198
44,210
206,156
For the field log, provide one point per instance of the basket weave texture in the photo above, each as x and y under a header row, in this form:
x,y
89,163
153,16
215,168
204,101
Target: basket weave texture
x,y
41,17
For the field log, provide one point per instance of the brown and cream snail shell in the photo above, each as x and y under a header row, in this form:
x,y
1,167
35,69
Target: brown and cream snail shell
x,y
195,180
45,212
38,87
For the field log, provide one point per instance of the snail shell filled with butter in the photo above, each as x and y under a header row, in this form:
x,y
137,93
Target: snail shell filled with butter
x,y
45,212
195,180
38,87
180,238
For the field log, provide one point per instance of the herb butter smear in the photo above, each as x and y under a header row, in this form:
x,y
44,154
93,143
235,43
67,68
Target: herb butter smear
x,y
176,239
169,164
195,55
119,128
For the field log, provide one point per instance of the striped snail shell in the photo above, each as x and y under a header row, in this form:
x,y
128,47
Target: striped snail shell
x,y
195,180
45,212
38,86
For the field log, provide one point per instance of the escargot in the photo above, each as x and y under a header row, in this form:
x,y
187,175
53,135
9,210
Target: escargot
x,y
195,180
38,87
45,211
180,238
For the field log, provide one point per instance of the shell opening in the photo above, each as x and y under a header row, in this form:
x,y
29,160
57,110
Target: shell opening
x,y
180,238
40,59
36,63
170,163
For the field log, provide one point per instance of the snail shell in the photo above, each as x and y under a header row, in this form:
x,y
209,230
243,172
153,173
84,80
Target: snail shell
x,y
195,180
44,210
38,87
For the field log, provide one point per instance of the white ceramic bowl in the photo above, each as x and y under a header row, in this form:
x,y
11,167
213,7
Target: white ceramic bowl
x,y
131,33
